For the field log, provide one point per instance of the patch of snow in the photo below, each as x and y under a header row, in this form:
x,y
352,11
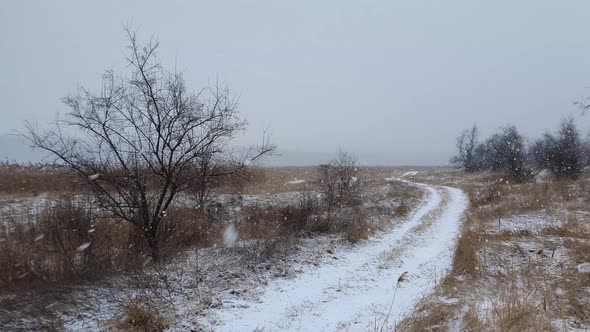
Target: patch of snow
x,y
584,267
527,223
411,173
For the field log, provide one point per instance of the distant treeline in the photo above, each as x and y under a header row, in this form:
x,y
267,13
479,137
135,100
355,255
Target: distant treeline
x,y
562,152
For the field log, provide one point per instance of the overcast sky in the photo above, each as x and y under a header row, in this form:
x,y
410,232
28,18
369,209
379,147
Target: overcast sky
x,y
391,81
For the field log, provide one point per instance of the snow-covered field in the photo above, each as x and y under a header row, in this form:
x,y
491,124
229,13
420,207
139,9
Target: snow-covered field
x,y
290,284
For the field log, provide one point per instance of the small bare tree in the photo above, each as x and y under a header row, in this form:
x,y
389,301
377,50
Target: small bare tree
x,y
339,180
141,139
210,169
467,144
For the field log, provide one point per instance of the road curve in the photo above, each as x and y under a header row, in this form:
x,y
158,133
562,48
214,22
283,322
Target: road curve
x,y
361,291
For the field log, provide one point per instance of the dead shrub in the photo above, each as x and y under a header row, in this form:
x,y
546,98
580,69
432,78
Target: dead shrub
x,y
65,241
265,222
339,182
140,317
186,227
403,209
356,227
272,249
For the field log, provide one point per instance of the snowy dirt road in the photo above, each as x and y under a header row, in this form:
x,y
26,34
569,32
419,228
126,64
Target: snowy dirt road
x,y
360,292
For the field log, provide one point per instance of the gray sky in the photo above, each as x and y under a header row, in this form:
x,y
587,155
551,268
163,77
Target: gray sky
x,y
391,81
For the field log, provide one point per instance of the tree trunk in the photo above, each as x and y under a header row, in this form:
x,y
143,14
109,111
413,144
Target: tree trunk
x,y
151,235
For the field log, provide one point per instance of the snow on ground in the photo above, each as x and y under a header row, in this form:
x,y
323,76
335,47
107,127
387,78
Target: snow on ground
x,y
406,174
584,267
24,206
532,223
411,173
358,290
284,198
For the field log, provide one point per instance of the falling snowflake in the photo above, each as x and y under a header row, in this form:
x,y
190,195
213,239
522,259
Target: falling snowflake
x,y
230,236
83,247
147,261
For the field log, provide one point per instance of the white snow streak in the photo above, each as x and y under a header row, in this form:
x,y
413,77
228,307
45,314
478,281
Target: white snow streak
x,y
296,182
84,246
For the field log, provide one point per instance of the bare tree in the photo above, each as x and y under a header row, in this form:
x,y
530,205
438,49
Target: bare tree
x,y
339,180
211,168
543,152
562,154
571,150
141,138
507,151
467,144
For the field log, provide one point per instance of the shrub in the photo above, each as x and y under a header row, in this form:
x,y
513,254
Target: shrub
x,y
140,317
65,241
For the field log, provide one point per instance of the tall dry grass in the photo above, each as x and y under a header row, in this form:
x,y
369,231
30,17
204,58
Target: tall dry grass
x,y
35,179
63,242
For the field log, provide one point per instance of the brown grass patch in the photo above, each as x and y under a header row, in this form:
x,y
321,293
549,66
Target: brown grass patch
x,y
140,317
515,312
64,242
32,180
429,315
471,320
465,260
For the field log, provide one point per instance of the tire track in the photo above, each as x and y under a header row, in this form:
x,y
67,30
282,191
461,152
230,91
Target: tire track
x,y
357,294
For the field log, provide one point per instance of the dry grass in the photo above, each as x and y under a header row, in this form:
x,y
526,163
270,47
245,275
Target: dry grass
x,y
63,242
471,320
187,227
465,261
270,180
26,180
514,311
429,315
521,279
66,241
140,317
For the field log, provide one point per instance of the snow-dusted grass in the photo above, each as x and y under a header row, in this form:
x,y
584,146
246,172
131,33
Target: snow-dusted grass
x,y
357,289
195,283
516,264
